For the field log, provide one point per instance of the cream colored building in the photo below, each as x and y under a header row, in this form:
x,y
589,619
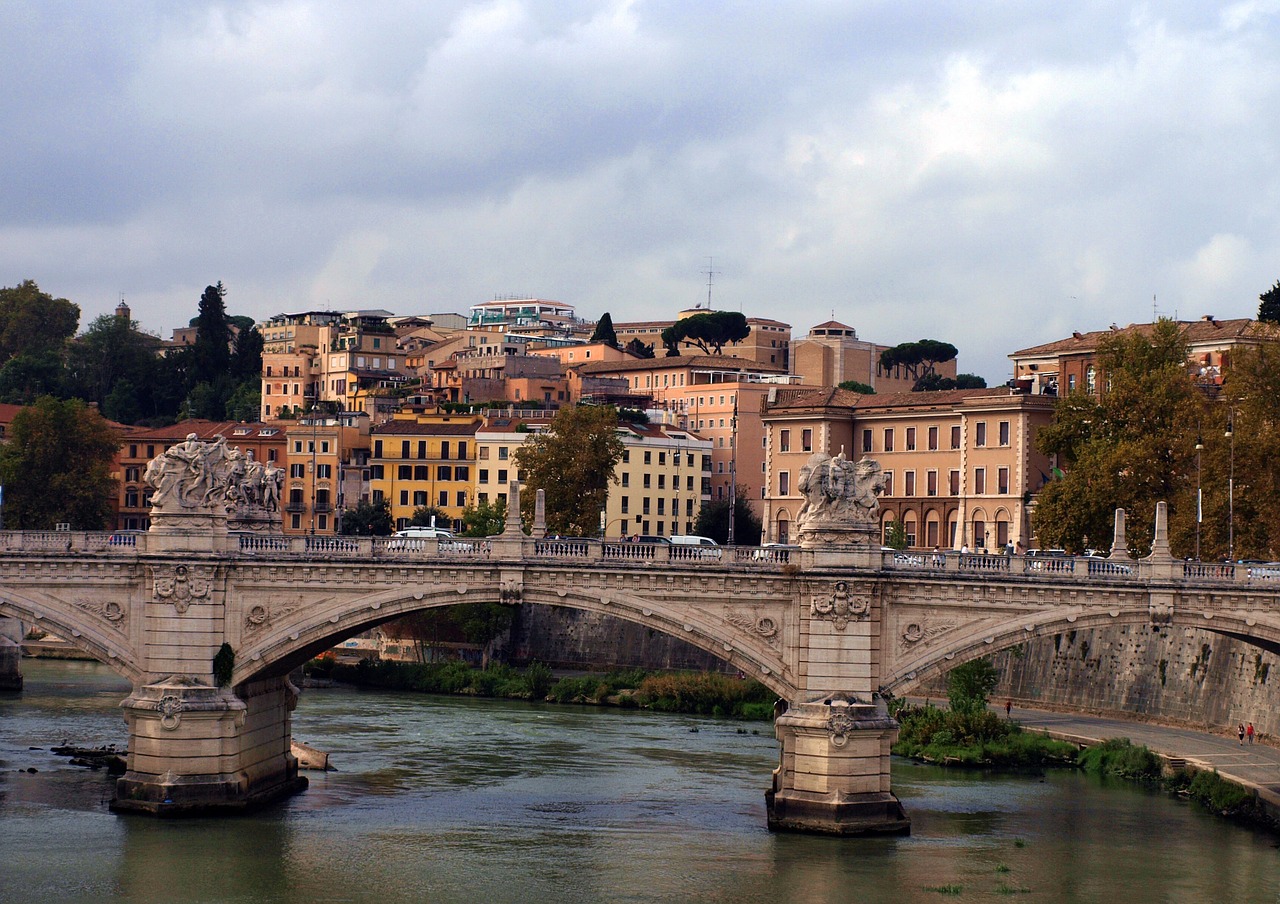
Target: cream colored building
x,y
833,354
768,343
961,466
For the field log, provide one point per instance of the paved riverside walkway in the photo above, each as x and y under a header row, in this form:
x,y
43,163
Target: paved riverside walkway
x,y
1255,765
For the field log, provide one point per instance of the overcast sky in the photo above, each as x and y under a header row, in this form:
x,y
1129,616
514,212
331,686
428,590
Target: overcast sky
x,y
993,174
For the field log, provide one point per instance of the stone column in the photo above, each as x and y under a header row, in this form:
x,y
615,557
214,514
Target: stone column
x,y
1119,546
833,777
10,665
540,514
195,748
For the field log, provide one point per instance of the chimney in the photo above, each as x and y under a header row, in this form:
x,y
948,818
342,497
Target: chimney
x,y
1076,334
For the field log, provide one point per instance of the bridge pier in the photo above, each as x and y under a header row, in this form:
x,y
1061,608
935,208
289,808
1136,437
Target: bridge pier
x,y
194,748
11,633
833,777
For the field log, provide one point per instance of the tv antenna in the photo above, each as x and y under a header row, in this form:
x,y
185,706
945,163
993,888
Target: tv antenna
x,y
711,273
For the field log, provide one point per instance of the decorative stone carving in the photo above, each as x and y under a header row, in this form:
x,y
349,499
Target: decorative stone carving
x,y
754,623
841,501
195,476
262,616
512,590
841,606
112,611
919,633
170,708
182,584
840,725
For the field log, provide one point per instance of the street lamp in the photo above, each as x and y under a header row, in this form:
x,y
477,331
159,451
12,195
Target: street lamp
x,y
1199,498
1231,489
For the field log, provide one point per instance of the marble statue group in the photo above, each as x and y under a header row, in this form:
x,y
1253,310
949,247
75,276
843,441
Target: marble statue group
x,y
194,475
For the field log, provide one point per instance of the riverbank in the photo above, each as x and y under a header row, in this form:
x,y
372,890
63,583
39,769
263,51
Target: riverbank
x,y
696,693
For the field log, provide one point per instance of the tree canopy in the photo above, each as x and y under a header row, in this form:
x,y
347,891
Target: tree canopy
x,y
33,322
1269,304
1130,449
855,386
713,522
917,358
56,467
640,349
604,331
933,382
367,519
710,331
573,463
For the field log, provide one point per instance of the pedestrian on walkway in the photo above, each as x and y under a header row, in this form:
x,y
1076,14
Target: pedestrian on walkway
x,y
1240,733
1008,709
1249,732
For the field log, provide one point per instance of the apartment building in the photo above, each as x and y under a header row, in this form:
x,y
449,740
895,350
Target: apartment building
x,y
326,470
960,466
768,343
422,460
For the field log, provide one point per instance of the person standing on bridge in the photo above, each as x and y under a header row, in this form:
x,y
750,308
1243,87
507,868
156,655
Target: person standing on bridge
x,y
1240,733
1248,731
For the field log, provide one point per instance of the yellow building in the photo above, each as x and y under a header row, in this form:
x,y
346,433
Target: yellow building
x,y
422,460
326,470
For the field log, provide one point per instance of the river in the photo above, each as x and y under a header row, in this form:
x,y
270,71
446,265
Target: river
x,y
454,800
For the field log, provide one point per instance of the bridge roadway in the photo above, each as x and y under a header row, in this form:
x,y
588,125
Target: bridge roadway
x,y
208,624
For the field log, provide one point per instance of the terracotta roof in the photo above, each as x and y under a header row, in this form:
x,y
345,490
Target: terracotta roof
x,y
1193,332
206,430
715,362
413,428
829,397
831,325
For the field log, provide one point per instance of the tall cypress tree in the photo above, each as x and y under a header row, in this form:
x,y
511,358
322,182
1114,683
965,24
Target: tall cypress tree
x,y
212,350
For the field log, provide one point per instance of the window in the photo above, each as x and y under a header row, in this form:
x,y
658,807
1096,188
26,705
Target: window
x,y
980,434
866,440
784,483
647,481
419,497
806,440
933,439
888,483
502,453
979,480
404,448
644,504
377,448
444,498
955,437
662,458
404,472
297,446
1002,480
888,439
462,472
911,439
662,507
626,456
444,472
1071,383
404,497
1091,380
1004,433
931,483
502,475
484,475
953,482
626,505
324,446
626,478
422,448
648,457
484,453
662,481
444,449
461,500
421,472
784,441
324,472
298,470
909,483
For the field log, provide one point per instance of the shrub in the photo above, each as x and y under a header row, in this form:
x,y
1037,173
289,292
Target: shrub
x,y
1120,757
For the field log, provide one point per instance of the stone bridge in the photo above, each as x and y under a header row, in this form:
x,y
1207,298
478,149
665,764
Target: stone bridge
x,y
208,625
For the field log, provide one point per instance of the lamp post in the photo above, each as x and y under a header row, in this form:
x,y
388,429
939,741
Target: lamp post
x,y
1231,488
1199,507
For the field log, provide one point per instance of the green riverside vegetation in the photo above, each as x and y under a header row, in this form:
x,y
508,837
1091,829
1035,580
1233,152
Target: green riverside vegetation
x,y
702,693
969,734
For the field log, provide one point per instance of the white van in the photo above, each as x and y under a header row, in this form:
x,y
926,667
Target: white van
x,y
415,538
688,546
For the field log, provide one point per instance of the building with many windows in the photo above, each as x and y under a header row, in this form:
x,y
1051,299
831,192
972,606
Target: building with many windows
x,y
326,470
833,354
961,466
424,460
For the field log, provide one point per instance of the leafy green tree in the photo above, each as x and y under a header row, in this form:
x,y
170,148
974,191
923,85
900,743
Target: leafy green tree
x,y
114,349
212,348
485,519
1131,449
56,467
367,519
710,331
426,515
604,331
970,684
933,381
855,386
246,402
713,522
26,377
33,322
640,349
918,358
246,357
895,535
573,462
121,404
1269,304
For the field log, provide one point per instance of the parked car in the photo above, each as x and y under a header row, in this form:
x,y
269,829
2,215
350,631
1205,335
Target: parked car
x,y
774,552
416,539
689,546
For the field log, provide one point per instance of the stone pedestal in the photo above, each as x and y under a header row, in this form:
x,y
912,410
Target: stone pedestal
x,y
195,748
10,662
833,778
842,536
187,531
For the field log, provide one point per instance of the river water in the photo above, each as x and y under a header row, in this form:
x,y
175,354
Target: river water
x,y
452,800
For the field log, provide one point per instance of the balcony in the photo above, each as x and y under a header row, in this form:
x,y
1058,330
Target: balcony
x,y
323,508
295,508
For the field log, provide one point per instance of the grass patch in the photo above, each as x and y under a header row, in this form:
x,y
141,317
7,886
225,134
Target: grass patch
x,y
1121,757
1003,889
974,737
945,889
1002,867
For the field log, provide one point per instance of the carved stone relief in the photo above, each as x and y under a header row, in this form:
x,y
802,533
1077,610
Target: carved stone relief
x,y
755,624
115,614
922,634
182,584
841,606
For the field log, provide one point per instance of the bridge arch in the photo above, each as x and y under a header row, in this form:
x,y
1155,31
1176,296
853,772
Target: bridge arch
x,y
99,629
291,641
986,638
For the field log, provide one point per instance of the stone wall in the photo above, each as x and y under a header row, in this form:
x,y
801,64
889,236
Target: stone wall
x,y
574,639
1172,675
